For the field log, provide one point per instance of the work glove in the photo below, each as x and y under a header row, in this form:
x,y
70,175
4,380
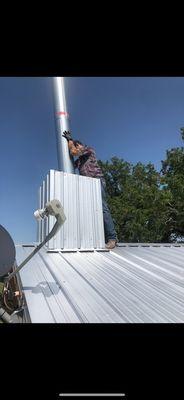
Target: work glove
x,y
67,135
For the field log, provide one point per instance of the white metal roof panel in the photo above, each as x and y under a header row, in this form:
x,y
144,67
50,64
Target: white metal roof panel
x,y
80,197
129,284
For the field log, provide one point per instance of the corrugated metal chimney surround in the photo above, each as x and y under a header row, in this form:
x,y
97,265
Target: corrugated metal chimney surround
x,y
81,198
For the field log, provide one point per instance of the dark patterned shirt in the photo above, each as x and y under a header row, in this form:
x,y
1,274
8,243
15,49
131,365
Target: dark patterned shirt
x,y
87,164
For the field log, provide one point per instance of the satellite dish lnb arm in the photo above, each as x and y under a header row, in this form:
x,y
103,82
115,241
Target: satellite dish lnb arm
x,y
55,209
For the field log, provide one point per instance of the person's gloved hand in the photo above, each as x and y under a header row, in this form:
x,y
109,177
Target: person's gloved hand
x,y
67,135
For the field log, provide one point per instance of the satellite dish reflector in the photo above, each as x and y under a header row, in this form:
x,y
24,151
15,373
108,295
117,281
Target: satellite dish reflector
x,y
7,252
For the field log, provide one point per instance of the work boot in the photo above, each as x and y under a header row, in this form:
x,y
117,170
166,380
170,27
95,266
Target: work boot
x,y
111,244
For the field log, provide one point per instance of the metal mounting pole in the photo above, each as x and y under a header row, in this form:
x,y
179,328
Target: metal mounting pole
x,y
65,160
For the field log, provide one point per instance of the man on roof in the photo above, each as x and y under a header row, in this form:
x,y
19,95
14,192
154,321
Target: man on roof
x,y
87,165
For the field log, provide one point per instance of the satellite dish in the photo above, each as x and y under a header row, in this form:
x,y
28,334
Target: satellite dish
x,y
7,252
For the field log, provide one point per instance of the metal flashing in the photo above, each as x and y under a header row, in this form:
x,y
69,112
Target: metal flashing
x,y
80,197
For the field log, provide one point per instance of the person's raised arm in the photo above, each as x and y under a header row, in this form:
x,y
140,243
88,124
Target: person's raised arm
x,y
73,150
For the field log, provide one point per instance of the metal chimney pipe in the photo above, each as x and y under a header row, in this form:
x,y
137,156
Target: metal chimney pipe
x,y
65,160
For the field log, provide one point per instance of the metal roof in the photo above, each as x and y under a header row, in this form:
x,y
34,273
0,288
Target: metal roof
x,y
132,284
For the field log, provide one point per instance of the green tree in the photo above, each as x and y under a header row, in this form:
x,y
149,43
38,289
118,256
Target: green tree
x,y
138,203
116,175
172,175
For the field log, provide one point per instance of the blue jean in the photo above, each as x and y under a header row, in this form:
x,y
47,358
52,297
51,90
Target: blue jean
x,y
109,228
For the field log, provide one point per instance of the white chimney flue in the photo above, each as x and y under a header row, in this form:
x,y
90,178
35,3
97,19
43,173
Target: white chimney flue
x,y
65,160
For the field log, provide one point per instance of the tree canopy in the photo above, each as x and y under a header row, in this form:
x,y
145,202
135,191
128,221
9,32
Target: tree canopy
x,y
147,205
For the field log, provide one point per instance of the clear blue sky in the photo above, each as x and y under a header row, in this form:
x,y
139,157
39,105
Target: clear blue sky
x,y
136,119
